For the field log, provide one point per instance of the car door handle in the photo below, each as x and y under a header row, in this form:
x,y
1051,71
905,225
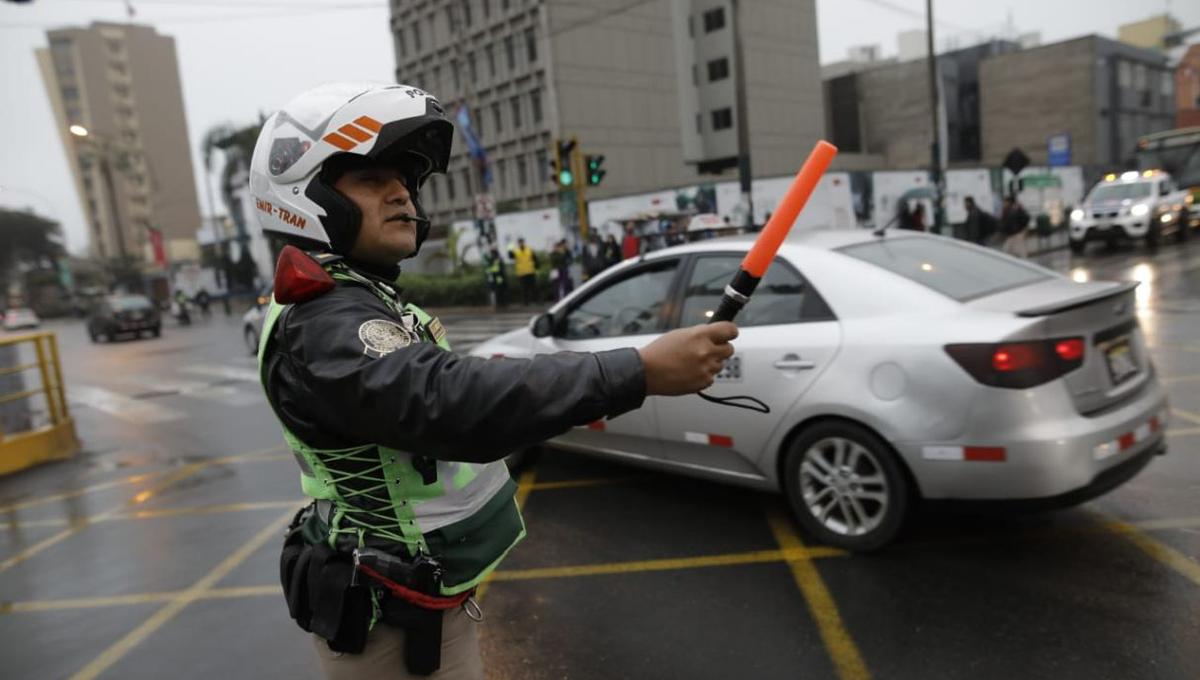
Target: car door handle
x,y
791,362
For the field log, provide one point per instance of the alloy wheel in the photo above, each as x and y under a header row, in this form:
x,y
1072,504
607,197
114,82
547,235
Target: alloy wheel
x,y
843,486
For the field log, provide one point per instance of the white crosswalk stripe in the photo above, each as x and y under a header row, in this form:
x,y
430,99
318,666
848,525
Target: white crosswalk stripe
x,y
137,411
222,394
224,372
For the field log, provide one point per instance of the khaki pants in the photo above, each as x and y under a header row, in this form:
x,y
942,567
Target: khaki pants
x,y
1015,245
384,654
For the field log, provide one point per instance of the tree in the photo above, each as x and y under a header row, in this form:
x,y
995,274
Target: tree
x,y
237,147
27,238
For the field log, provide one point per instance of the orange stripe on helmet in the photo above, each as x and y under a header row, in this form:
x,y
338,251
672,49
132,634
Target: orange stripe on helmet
x,y
369,123
339,141
357,134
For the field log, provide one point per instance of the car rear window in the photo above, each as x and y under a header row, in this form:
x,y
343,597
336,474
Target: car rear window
x,y
128,303
955,270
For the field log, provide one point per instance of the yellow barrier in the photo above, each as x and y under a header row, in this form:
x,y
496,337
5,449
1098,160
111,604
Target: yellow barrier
x,y
53,441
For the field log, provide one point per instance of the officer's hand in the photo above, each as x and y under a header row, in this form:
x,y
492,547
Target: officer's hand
x,y
685,361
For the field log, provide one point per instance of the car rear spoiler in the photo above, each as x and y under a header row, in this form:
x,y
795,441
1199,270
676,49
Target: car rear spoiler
x,y
1081,301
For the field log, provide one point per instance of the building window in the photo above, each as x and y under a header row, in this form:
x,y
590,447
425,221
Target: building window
x,y
699,123
496,122
70,93
1167,84
535,104
433,191
510,53
491,60
450,22
501,175
416,36
487,9
516,113
503,5
472,72
531,45
466,180
718,69
1124,74
722,119
714,20
449,187
466,7
695,76
477,121
454,66
522,171
543,164
691,27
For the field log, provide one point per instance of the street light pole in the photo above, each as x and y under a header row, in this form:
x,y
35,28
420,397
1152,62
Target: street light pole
x,y
743,125
102,148
935,146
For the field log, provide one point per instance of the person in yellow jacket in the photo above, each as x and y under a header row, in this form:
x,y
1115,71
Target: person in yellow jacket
x,y
525,265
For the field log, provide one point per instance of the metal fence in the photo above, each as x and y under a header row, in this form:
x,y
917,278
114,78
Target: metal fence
x,y
35,422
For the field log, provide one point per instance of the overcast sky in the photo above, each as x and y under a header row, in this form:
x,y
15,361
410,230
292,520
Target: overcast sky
x,y
240,57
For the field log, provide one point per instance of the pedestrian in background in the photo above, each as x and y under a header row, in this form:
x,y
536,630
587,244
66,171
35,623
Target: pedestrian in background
x,y
560,269
493,268
979,225
202,300
593,257
525,264
1014,221
630,243
612,250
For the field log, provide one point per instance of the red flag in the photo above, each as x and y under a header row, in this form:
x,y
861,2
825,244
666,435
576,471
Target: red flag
x,y
156,242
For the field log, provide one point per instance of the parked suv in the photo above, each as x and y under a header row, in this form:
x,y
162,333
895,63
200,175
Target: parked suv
x,y
1134,205
116,314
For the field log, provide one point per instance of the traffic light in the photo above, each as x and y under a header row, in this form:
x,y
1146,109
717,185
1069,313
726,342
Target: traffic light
x,y
564,148
595,171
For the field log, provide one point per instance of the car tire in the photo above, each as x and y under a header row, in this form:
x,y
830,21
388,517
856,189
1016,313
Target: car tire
x,y
845,486
522,459
1183,224
156,331
1153,237
251,340
1077,247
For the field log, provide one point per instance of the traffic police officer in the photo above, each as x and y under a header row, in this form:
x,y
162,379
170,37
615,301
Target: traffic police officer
x,y
398,439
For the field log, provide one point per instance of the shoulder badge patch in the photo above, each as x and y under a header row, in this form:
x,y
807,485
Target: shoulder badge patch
x,y
437,330
381,337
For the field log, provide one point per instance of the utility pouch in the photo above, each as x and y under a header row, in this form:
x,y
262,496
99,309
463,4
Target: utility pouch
x,y
422,634
293,570
341,607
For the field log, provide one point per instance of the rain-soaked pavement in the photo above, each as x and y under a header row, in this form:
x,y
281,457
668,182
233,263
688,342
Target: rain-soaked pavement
x,y
153,553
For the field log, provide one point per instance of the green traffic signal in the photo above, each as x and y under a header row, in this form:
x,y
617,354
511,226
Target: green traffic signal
x,y
565,178
595,170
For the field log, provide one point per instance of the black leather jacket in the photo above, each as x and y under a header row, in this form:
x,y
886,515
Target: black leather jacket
x,y
425,400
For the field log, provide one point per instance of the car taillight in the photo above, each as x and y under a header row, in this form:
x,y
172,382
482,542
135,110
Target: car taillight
x,y
1018,365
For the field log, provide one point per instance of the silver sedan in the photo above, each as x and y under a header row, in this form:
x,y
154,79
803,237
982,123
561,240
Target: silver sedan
x,y
896,368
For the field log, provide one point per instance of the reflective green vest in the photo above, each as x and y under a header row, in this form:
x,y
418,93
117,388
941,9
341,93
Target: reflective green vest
x,y
467,517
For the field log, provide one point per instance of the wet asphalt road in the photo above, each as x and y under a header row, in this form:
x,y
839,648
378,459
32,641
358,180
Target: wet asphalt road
x,y
154,552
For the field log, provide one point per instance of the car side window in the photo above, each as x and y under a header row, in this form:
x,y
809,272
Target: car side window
x,y
783,296
632,305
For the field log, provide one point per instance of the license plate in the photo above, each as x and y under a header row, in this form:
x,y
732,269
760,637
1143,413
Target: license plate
x,y
1122,365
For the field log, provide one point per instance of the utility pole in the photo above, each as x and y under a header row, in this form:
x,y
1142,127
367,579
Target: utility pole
x,y
934,147
743,125
581,180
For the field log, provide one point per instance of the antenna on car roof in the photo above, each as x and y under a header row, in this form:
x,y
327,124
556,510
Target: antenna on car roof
x,y
880,231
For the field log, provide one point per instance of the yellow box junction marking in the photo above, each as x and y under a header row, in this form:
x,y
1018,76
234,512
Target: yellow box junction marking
x,y
143,496
1155,548
1186,415
847,660
132,639
76,527
41,500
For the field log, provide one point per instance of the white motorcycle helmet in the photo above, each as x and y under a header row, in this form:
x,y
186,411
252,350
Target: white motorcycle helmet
x,y
303,148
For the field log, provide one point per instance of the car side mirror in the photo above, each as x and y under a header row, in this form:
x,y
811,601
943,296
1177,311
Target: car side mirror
x,y
543,325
